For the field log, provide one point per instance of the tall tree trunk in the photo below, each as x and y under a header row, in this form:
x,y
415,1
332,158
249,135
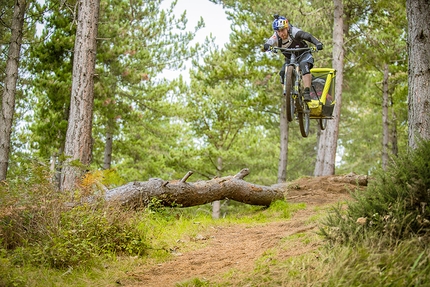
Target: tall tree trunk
x,y
385,126
107,160
326,156
55,168
8,98
394,144
419,70
78,145
216,205
283,154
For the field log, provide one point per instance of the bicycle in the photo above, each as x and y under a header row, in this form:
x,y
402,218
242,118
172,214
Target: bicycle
x,y
321,105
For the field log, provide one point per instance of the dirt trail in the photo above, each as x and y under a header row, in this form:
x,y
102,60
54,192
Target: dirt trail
x,y
238,247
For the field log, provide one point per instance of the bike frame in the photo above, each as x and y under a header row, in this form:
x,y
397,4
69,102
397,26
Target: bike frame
x,y
298,82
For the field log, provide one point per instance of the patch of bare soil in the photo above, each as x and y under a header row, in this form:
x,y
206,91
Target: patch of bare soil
x,y
236,248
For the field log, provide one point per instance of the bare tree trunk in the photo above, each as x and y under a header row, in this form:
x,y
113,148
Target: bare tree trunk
x,y
419,70
385,126
216,205
216,209
110,127
326,156
394,144
7,110
108,151
78,145
283,155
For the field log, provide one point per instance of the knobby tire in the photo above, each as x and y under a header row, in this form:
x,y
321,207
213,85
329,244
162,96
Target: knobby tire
x,y
288,91
322,123
304,120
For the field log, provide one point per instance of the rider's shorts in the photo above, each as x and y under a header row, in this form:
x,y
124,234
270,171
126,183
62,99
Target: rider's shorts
x,y
306,63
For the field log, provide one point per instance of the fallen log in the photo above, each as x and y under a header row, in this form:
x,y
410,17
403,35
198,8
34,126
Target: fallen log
x,y
183,194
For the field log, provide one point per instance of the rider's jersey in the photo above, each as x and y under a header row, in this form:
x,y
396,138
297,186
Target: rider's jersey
x,y
296,39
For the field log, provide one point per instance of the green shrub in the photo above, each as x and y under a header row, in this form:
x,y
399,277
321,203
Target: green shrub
x,y
38,228
395,204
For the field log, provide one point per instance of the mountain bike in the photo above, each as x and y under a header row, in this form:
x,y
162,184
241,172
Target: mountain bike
x,y
322,92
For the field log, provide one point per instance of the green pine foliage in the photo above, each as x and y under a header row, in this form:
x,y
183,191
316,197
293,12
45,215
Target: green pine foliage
x,y
49,63
6,12
134,103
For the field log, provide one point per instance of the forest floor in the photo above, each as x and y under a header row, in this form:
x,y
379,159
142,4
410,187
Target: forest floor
x,y
237,248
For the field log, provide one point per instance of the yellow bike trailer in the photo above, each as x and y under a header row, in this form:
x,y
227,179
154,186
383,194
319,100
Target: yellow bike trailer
x,y
322,93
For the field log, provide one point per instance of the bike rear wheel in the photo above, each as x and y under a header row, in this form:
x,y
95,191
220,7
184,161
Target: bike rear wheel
x,y
304,120
322,123
288,91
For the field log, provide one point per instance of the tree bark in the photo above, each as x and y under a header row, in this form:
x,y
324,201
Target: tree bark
x,y
419,70
385,125
216,205
283,153
8,98
78,145
181,193
327,145
108,151
393,137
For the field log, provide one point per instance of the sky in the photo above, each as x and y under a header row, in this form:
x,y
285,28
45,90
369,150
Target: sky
x,y
214,16
215,22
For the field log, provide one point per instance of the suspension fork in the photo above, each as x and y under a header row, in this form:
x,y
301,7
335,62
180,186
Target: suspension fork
x,y
297,88
296,81
296,75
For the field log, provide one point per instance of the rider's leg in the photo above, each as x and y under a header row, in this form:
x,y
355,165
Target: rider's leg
x,y
307,79
282,72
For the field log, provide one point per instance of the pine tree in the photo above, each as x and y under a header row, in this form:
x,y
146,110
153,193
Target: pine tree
x,y
7,110
78,145
419,75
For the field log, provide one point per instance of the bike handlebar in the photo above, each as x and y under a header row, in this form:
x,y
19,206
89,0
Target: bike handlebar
x,y
312,49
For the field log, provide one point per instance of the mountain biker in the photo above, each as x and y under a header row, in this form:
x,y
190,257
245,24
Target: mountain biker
x,y
288,36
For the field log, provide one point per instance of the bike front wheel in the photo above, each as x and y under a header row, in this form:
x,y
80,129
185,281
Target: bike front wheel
x,y
304,120
288,91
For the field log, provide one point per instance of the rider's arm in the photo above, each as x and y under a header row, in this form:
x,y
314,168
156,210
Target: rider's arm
x,y
308,37
300,34
272,41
